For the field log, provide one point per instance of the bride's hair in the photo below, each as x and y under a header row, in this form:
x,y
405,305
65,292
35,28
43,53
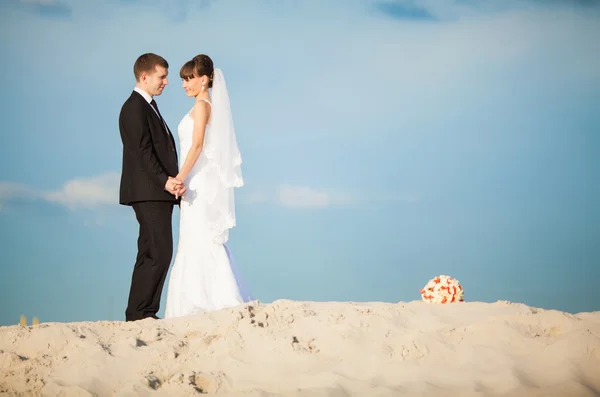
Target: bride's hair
x,y
200,65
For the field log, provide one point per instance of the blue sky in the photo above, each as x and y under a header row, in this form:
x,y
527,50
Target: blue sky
x,y
384,143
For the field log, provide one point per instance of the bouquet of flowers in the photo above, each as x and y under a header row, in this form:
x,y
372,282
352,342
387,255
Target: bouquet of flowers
x,y
442,289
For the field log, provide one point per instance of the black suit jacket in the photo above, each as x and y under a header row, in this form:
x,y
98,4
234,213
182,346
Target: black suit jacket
x,y
149,155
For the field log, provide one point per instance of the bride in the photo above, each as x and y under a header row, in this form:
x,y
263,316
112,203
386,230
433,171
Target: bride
x,y
202,277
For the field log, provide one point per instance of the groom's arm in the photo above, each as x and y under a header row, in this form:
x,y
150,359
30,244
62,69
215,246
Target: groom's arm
x,y
137,140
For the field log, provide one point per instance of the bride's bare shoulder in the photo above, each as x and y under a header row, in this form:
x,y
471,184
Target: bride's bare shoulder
x,y
201,110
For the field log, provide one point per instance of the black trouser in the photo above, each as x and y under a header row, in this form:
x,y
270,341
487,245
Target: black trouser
x,y
155,250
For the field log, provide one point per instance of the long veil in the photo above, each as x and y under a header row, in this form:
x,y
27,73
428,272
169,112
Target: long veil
x,y
223,162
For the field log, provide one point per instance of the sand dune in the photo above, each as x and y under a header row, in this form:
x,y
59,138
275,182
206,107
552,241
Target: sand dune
x,y
291,348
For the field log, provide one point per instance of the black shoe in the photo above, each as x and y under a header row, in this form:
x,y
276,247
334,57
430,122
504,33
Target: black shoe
x,y
152,316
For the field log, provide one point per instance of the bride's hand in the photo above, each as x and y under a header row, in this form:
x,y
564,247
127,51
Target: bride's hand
x,y
180,191
175,186
180,187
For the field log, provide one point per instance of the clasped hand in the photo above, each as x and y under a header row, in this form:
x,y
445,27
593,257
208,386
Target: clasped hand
x,y
175,187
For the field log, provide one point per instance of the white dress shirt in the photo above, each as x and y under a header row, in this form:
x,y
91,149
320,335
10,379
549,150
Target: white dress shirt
x,y
148,99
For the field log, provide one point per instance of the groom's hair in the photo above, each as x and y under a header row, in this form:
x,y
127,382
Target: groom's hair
x,y
146,63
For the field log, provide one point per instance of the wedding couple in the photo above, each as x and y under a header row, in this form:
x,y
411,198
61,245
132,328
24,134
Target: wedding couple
x,y
201,182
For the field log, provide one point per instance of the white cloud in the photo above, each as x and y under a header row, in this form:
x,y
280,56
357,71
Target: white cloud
x,y
90,193
294,196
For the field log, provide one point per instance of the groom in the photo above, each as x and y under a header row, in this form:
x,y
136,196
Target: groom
x,y
148,185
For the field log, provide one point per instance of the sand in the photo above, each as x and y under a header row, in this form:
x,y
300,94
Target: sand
x,y
290,348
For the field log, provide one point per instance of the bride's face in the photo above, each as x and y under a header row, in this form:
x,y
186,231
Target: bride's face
x,y
192,86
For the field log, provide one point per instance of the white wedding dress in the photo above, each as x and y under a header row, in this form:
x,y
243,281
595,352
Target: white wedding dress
x,y
202,278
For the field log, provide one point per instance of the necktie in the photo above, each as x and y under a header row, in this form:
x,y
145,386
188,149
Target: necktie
x,y
155,106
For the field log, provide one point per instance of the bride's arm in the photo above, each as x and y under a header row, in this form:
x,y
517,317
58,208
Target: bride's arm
x,y
200,115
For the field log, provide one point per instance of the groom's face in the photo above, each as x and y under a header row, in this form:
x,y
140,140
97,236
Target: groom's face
x,y
156,81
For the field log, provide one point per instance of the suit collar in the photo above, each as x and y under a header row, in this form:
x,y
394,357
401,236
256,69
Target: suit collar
x,y
140,93
144,94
